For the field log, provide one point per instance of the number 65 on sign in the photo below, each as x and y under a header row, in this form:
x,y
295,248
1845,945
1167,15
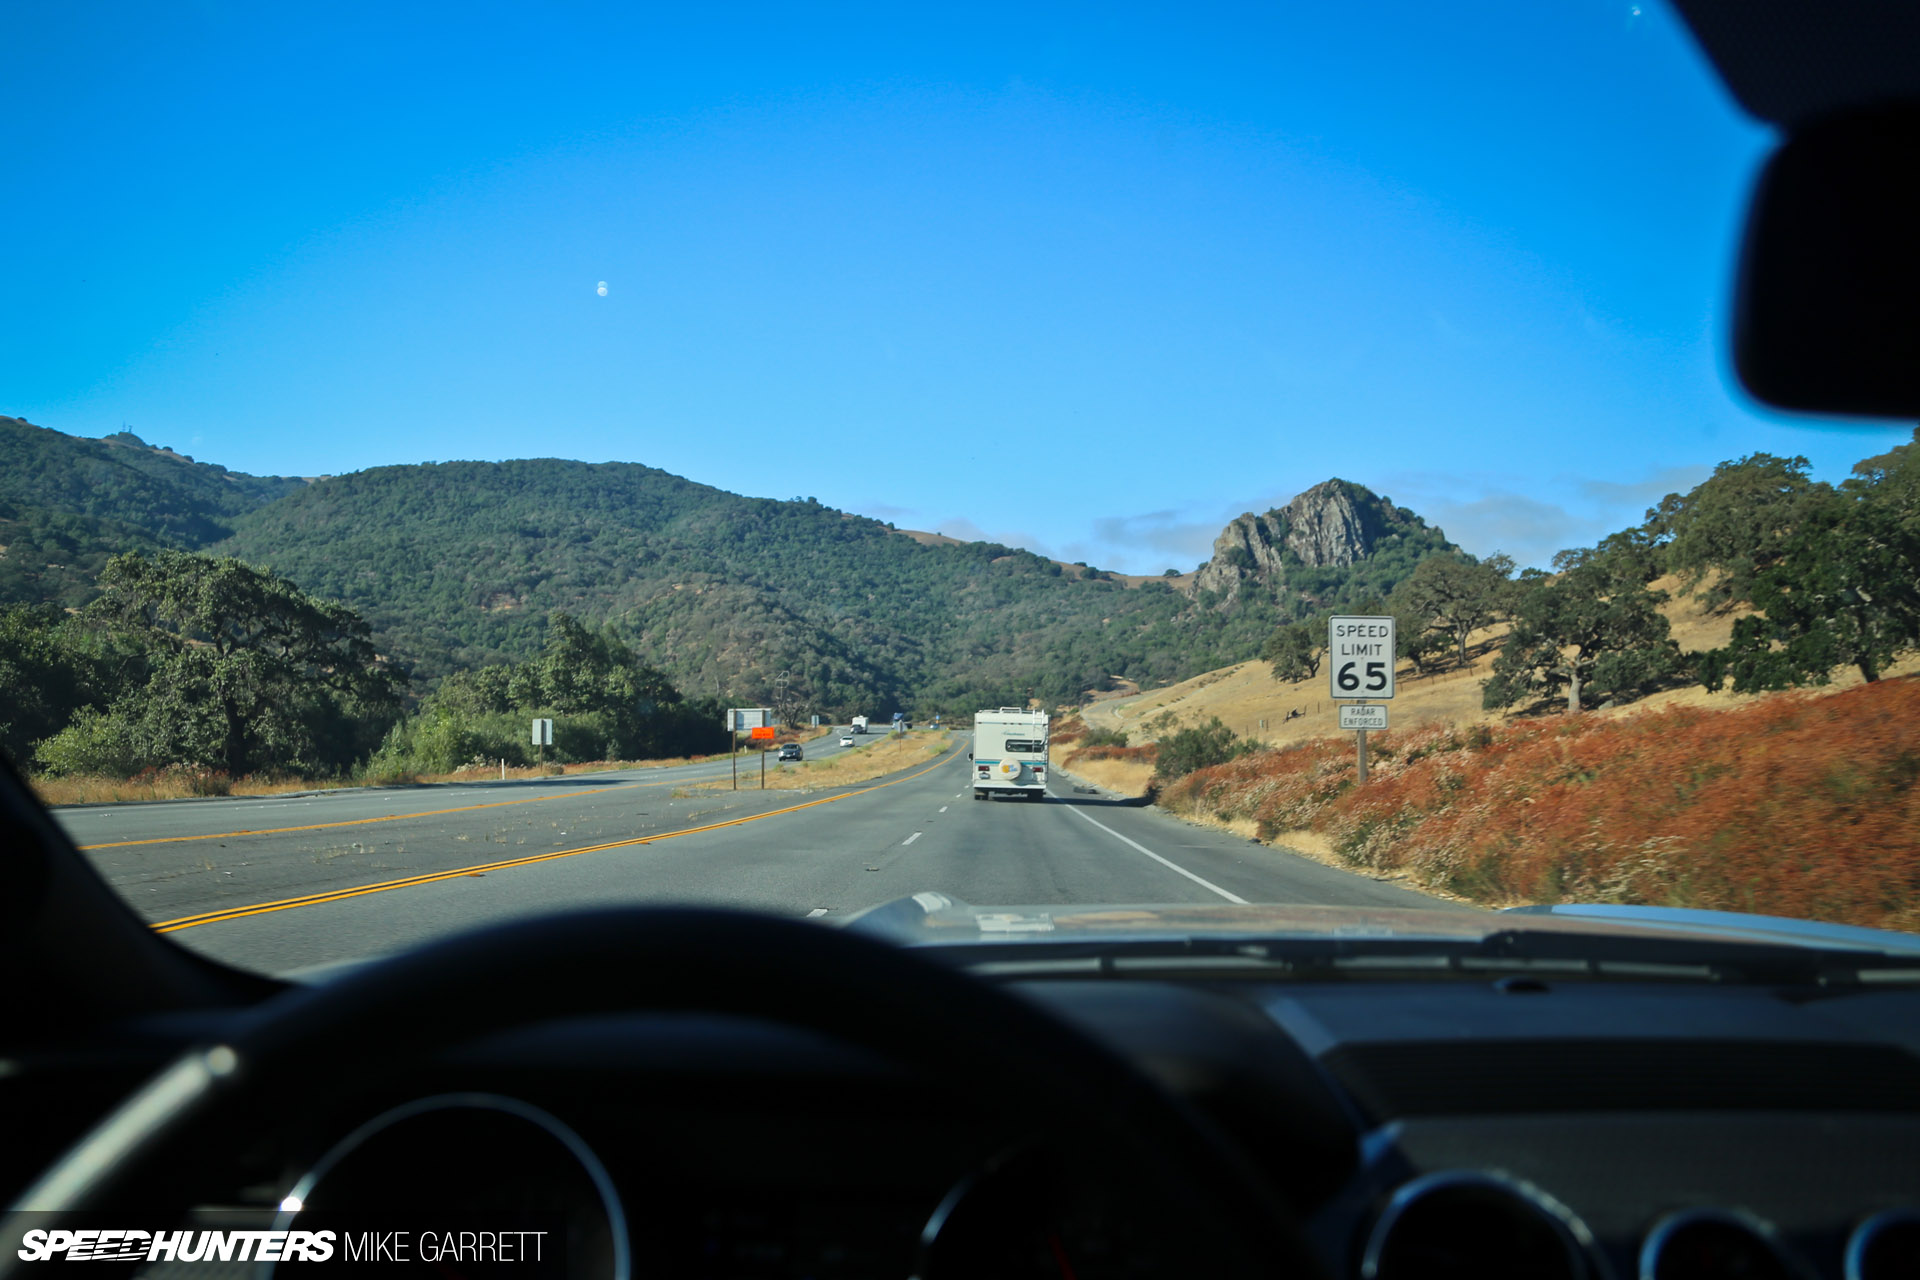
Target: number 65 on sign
x,y
1360,656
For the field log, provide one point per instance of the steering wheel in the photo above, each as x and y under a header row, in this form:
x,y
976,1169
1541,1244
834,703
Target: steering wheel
x,y
314,1042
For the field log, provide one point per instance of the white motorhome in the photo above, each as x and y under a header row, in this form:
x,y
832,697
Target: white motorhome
x,y
1009,752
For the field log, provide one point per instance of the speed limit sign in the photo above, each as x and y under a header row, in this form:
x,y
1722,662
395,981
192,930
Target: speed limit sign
x,y
1360,655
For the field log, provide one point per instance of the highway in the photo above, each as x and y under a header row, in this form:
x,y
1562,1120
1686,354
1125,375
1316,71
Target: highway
x,y
284,884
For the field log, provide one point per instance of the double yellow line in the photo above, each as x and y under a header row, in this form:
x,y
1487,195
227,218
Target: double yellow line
x,y
314,899
361,822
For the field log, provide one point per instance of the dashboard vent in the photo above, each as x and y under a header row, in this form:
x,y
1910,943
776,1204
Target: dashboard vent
x,y
1509,1076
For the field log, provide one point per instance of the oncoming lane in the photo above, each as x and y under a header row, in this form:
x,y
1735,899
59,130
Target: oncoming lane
x,y
186,862
822,855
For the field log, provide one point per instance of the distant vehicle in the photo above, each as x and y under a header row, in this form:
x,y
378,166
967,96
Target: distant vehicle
x,y
1010,752
846,739
790,752
859,724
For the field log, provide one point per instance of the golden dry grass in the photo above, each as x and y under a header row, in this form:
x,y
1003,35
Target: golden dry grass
x,y
1253,704
1245,695
1123,777
481,773
182,785
99,790
842,770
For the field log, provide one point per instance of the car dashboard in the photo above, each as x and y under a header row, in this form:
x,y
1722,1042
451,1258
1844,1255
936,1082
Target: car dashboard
x,y
1512,1126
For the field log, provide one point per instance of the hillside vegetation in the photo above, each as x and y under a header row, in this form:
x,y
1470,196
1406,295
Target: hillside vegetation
x,y
68,504
1795,805
456,566
1622,730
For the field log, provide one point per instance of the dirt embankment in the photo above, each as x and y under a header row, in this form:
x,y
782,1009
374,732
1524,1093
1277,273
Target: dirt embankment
x,y
1797,805
1800,804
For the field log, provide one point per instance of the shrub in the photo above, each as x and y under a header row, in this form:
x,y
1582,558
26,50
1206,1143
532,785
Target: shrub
x,y
1107,738
441,739
1209,744
94,742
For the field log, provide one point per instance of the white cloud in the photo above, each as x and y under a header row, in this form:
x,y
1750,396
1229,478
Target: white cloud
x,y
1530,520
1525,528
886,511
967,531
1645,493
1163,532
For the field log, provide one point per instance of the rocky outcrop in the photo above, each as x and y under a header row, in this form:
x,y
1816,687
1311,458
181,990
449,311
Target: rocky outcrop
x,y
1249,547
1335,523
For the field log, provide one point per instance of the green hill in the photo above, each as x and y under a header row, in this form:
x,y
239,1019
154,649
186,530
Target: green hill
x,y
457,565
66,504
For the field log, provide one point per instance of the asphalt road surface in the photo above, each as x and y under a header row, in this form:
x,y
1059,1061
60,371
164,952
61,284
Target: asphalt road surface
x,y
287,883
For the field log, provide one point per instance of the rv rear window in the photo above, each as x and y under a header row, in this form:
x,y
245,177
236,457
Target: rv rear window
x,y
1027,746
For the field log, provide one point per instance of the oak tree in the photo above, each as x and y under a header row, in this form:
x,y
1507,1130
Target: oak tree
x,y
248,672
1588,630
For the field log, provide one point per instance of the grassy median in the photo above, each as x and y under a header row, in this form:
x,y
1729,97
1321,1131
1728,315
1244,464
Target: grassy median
x,y
845,769
181,782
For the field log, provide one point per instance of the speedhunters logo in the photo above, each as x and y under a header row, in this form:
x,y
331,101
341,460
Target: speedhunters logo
x,y
106,1245
439,1249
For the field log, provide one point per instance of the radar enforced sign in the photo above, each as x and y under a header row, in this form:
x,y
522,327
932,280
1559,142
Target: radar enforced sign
x,y
1360,655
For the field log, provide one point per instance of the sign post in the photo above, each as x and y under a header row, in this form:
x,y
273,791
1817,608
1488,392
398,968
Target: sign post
x,y
765,733
1360,658
750,719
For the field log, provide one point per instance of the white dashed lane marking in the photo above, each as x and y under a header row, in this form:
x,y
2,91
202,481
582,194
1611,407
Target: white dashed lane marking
x,y
1171,866
910,839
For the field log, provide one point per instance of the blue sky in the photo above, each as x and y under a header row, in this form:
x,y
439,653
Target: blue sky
x,y
1092,279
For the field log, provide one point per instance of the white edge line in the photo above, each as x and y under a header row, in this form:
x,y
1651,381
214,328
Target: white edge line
x,y
1171,866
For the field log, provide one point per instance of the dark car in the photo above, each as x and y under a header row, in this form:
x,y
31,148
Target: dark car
x,y
791,751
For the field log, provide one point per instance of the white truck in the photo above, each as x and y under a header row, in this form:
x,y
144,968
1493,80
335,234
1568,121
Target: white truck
x,y
1009,752
859,724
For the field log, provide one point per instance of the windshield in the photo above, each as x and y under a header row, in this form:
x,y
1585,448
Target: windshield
x,y
467,465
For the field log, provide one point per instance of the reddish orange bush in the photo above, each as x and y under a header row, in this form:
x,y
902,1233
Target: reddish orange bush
x,y
1067,729
1149,753
1797,805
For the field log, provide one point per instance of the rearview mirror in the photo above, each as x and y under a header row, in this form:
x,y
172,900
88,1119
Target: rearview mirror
x,y
1827,310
